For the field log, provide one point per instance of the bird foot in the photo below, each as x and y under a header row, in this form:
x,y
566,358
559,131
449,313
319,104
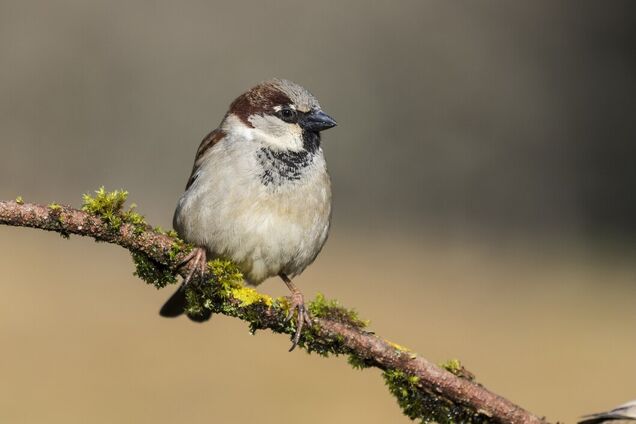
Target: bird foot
x,y
297,308
199,264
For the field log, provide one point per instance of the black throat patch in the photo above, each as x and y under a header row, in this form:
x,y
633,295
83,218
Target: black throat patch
x,y
311,141
281,167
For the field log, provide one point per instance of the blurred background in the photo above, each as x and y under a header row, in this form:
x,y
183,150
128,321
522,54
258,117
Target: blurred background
x,y
484,203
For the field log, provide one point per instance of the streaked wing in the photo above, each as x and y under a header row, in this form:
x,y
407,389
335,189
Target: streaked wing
x,y
207,143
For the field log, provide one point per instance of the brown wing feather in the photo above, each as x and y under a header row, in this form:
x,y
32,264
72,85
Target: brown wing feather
x,y
207,143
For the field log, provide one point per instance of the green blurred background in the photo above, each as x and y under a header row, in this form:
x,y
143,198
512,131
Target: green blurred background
x,y
483,172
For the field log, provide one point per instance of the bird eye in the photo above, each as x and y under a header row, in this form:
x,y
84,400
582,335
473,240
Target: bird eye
x,y
288,115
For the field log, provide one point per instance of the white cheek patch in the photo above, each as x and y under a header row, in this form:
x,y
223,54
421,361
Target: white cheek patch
x,y
276,133
234,126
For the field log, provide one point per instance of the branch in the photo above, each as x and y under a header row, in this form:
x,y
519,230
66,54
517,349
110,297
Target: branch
x,y
424,390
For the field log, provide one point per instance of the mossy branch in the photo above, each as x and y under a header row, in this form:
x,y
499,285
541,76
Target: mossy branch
x,y
425,391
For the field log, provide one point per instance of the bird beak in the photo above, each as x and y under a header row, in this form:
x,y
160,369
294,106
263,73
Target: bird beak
x,y
317,121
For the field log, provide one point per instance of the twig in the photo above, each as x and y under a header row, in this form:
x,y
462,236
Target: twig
x,y
415,379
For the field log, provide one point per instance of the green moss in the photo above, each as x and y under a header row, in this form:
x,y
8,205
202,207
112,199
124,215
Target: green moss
x,y
195,306
418,403
358,362
152,272
131,216
109,205
225,293
225,279
454,366
313,341
178,248
169,233
104,202
19,200
320,307
56,214
226,275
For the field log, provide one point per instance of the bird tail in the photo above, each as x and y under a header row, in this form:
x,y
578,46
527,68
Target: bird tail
x,y
176,304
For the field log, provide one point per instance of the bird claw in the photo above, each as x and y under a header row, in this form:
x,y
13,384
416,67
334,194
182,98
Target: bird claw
x,y
297,308
200,264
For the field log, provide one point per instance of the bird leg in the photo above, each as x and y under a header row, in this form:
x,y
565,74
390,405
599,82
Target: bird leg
x,y
199,261
296,307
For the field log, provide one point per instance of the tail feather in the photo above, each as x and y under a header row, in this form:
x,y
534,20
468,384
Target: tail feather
x,y
176,304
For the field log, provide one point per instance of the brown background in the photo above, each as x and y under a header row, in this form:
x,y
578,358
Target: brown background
x,y
484,201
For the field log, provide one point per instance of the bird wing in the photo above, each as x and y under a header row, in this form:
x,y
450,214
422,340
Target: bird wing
x,y
207,143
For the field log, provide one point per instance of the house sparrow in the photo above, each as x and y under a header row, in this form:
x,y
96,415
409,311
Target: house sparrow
x,y
259,193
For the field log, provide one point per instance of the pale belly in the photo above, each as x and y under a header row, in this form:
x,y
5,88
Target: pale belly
x,y
277,236
265,230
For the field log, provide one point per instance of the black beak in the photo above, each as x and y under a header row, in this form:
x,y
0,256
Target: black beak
x,y
316,121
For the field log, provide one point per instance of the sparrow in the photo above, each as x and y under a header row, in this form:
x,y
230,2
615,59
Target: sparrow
x,y
259,193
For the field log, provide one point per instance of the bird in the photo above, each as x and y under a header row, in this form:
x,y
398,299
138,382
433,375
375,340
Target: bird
x,y
259,193
621,414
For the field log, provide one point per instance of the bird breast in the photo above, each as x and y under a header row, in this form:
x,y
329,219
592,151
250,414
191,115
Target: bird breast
x,y
268,211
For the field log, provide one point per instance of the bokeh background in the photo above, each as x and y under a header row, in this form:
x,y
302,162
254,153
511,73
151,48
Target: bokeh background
x,y
483,172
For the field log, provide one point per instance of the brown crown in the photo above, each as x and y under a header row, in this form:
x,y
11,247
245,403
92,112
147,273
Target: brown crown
x,y
258,100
